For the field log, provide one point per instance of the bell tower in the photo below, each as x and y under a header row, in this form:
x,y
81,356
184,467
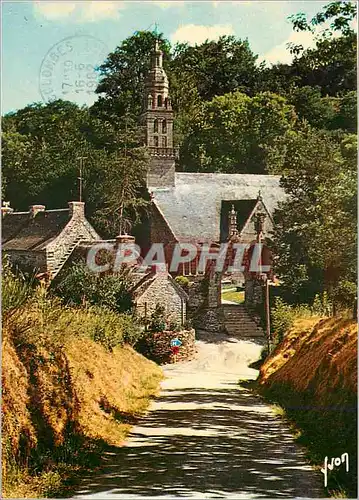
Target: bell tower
x,y
157,117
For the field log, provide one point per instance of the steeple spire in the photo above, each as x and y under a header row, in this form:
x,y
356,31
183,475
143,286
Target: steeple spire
x,y
158,118
232,223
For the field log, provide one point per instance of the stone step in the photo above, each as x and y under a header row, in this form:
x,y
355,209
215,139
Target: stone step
x,y
233,319
245,335
239,330
243,325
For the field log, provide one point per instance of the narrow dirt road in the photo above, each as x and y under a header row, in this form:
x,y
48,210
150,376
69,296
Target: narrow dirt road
x,y
206,437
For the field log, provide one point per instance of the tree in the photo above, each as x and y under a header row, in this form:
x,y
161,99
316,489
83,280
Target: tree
x,y
340,14
279,78
41,144
122,198
312,107
121,88
315,229
195,74
217,67
233,132
346,116
332,63
41,149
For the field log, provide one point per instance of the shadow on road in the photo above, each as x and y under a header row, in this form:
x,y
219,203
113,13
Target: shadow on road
x,y
217,442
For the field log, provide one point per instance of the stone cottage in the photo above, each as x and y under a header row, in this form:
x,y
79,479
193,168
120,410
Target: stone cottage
x,y
43,240
160,288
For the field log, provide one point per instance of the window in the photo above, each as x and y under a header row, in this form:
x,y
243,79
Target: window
x,y
159,101
155,141
155,125
164,142
164,127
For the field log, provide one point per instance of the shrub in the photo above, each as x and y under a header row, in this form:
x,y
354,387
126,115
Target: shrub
x,y
158,320
188,324
43,320
183,282
322,305
80,286
173,325
112,329
16,290
283,316
345,294
282,319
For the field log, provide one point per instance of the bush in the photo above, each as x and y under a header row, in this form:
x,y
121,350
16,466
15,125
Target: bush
x,y
283,316
111,329
80,286
42,319
158,321
322,305
183,282
16,290
345,294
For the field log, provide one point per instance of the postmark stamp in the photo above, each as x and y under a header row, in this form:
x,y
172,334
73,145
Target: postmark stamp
x,y
69,69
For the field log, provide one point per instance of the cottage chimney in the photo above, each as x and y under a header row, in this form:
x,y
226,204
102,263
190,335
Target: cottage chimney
x,y
35,209
124,238
77,209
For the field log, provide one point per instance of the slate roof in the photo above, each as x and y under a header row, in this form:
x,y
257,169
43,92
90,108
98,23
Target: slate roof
x,y
146,281
21,232
192,208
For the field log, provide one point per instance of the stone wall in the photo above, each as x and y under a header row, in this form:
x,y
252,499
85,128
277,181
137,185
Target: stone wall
x,y
157,346
254,293
161,172
204,304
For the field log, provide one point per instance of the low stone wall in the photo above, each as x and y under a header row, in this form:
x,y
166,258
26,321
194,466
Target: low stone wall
x,y
210,320
157,346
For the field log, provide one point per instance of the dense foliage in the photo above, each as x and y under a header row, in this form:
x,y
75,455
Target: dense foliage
x,y
80,286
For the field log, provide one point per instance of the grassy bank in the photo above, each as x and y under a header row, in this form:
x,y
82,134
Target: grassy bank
x,y
72,385
312,374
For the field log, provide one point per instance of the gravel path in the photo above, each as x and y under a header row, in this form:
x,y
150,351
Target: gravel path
x,y
205,437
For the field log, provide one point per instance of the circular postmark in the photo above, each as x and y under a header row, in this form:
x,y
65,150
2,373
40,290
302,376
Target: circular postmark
x,y
69,69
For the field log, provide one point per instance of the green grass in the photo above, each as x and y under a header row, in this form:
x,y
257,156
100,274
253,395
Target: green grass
x,y
233,296
228,286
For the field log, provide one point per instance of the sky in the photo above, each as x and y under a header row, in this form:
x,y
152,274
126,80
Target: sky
x,y
52,49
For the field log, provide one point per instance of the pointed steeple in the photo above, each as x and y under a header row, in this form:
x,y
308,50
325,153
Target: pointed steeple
x,y
158,119
232,223
156,84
